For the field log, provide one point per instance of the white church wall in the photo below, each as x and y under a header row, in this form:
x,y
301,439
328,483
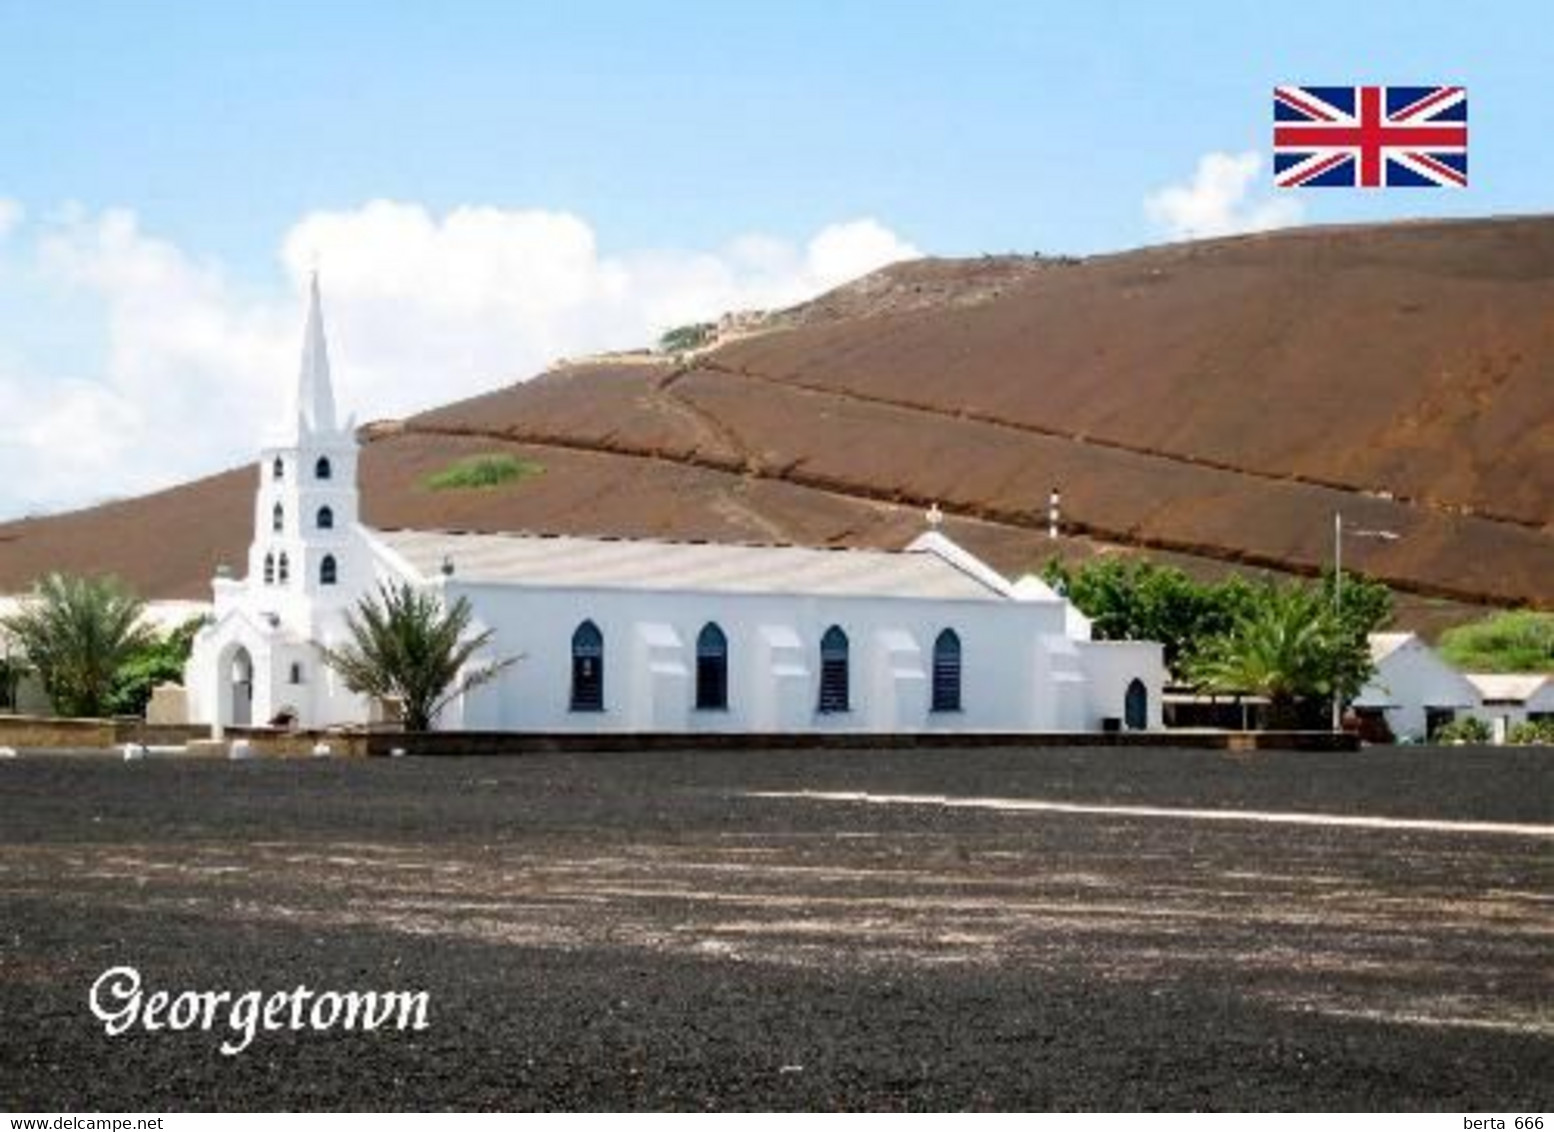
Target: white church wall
x,y
773,660
779,679
899,699
1057,685
661,695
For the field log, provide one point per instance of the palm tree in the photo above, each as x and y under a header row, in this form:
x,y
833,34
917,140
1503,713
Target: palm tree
x,y
405,645
77,633
1288,646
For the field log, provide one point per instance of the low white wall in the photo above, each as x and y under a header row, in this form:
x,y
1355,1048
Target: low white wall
x,y
1111,666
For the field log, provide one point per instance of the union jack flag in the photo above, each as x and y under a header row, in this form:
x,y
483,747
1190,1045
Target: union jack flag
x,y
1370,136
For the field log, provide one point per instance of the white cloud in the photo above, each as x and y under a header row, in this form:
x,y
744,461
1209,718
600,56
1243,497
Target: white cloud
x,y
1216,201
420,308
11,215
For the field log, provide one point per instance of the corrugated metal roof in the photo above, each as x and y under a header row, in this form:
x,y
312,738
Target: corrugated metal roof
x,y
638,564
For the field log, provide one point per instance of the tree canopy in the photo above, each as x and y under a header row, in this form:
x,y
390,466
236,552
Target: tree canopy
x,y
1288,646
1134,599
1292,643
405,645
77,634
160,660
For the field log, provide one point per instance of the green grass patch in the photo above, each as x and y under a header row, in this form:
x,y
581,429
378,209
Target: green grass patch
x,y
482,472
1514,641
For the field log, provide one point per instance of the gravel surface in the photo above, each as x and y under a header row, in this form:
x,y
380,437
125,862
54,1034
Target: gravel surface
x,y
707,930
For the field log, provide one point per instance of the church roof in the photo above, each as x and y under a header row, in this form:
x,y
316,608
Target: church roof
x,y
566,561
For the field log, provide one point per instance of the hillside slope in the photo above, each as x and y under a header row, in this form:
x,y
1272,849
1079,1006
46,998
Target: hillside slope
x,y
1216,400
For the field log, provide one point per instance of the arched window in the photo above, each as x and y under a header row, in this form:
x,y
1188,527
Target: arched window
x,y
833,670
587,668
946,671
296,673
1135,707
326,519
269,569
285,570
278,519
711,669
328,572
278,469
322,470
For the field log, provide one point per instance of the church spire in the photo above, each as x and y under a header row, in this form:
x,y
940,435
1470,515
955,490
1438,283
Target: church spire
x,y
315,396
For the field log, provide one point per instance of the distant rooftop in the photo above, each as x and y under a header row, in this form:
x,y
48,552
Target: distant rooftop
x,y
1384,645
562,561
1509,688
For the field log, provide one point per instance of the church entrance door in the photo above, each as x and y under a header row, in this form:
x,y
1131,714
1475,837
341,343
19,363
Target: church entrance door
x,y
240,691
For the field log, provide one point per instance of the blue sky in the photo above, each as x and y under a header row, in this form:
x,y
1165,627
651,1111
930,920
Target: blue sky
x,y
175,158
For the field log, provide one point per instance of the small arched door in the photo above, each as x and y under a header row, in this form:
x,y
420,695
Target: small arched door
x,y
1135,707
240,688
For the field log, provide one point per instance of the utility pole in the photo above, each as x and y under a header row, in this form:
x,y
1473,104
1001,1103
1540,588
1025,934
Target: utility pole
x,y
1338,610
1338,592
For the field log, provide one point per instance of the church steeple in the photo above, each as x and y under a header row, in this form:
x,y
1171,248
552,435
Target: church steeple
x,y
315,394
304,559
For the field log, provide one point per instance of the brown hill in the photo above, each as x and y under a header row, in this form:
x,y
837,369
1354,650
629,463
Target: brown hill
x,y
1217,400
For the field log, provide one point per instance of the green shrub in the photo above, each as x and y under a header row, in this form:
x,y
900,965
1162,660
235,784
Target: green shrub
x,y
160,660
683,338
487,470
1513,641
1532,733
1465,730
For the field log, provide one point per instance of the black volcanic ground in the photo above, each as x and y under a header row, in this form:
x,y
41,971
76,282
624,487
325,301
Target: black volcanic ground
x,y
618,931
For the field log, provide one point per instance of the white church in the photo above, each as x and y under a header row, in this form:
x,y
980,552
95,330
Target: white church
x,y
648,636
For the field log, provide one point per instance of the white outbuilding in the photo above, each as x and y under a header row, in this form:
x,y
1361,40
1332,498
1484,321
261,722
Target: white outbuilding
x,y
1509,699
650,636
1413,688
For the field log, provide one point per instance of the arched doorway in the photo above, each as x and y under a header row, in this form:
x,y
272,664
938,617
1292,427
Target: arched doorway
x,y
1135,707
239,691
